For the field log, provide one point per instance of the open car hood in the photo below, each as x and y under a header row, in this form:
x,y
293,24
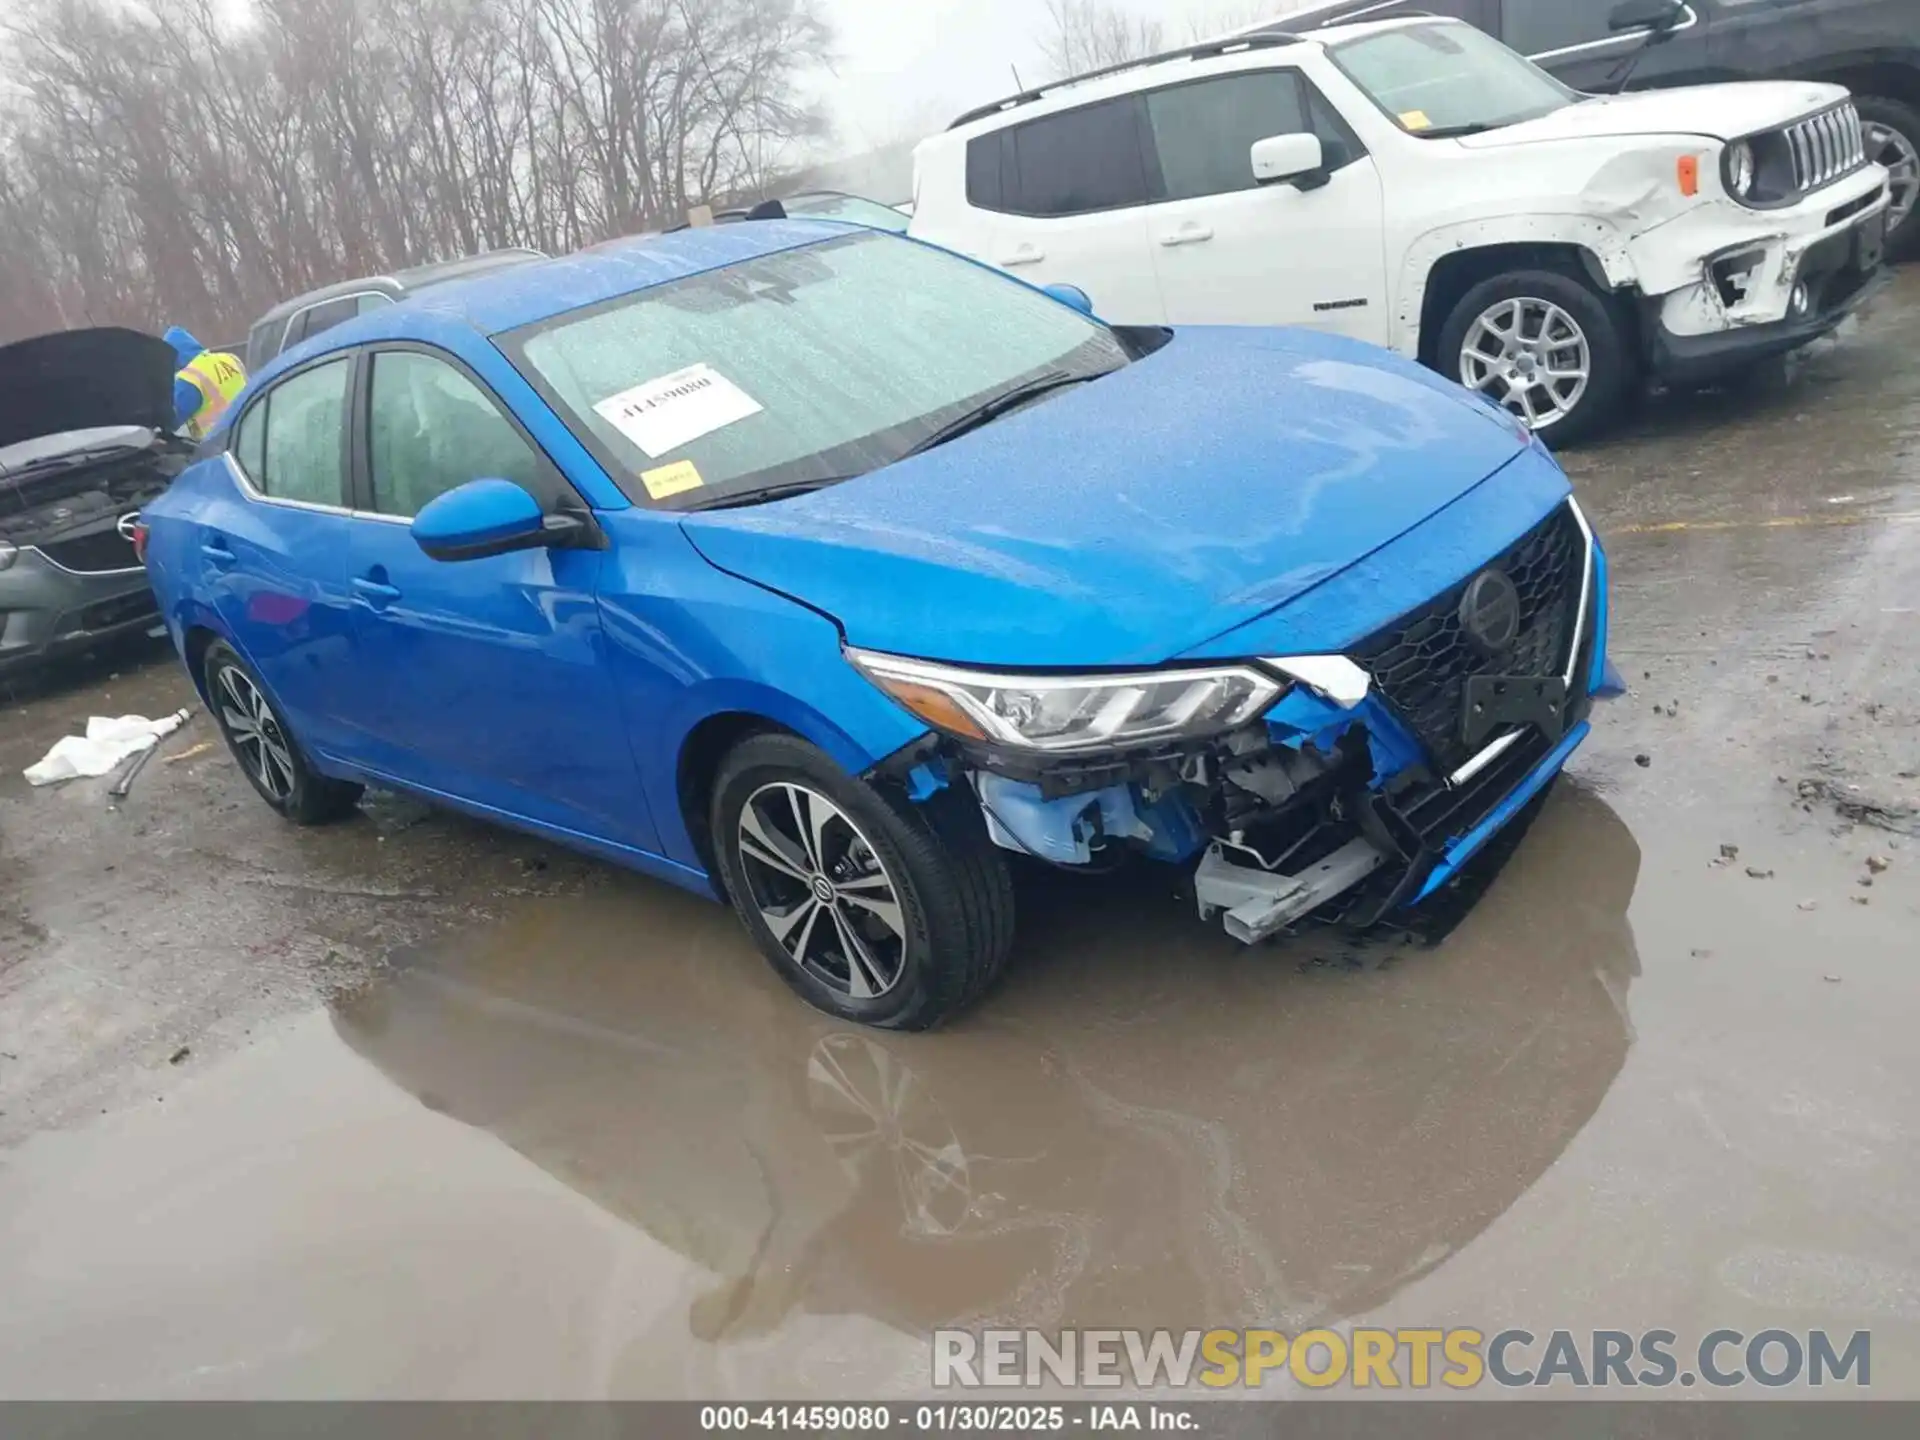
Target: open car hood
x,y
84,379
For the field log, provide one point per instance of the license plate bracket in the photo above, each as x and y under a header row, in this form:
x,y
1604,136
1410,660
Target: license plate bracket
x,y
1870,243
1492,702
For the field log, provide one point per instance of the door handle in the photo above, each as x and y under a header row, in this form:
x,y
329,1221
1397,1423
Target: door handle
x,y
217,552
1187,235
376,592
1025,255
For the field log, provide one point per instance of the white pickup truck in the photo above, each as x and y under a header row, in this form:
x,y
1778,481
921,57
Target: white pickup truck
x,y
1416,184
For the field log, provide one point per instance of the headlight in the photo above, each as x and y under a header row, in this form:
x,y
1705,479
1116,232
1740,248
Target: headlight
x,y
7,554
1068,713
1740,170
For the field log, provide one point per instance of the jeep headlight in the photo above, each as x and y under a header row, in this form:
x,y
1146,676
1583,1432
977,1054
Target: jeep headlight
x,y
1063,714
1740,170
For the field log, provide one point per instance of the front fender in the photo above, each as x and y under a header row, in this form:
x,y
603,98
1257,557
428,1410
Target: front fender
x,y
687,642
1600,238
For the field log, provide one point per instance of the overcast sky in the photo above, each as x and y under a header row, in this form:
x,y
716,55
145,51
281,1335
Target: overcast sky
x,y
909,66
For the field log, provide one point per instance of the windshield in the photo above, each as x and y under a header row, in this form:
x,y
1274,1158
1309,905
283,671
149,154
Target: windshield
x,y
807,365
851,208
1449,79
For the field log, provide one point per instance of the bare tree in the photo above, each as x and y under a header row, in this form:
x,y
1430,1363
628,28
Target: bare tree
x,y
1083,35
160,161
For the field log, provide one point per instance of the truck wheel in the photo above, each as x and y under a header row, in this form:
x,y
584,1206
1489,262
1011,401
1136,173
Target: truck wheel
x,y
268,754
1544,345
874,909
1892,134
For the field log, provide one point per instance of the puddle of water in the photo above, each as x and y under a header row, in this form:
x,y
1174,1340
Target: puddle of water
x,y
1146,1127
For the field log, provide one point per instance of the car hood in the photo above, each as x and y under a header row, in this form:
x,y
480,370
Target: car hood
x,y
84,379
1121,522
1723,112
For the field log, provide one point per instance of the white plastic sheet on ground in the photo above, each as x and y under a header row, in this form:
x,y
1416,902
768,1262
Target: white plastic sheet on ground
x,y
103,747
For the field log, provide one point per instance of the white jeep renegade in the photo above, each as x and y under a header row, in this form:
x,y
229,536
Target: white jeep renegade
x,y
1417,184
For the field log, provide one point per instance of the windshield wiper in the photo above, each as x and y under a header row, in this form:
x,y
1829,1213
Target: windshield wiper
x,y
1454,132
993,409
771,492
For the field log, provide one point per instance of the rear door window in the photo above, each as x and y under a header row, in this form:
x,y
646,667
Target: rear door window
x,y
327,314
1073,163
300,426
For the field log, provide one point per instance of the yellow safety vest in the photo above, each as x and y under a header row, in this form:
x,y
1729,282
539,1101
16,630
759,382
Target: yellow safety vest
x,y
219,378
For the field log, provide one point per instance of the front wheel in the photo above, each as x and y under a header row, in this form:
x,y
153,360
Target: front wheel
x,y
1545,346
872,908
1891,130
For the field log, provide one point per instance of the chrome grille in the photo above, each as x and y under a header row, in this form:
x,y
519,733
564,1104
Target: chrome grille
x,y
1825,147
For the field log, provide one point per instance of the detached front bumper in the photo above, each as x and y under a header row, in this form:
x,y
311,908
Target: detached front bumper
x,y
47,611
1769,291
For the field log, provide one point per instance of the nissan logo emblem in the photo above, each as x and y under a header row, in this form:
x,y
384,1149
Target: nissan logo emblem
x,y
1490,612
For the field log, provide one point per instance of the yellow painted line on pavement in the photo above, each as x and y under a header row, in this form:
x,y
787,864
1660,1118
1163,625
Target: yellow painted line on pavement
x,y
1778,522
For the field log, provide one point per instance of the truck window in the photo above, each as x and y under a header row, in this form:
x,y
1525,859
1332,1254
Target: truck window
x,y
1535,27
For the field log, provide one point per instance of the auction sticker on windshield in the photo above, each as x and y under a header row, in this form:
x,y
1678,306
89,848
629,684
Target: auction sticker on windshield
x,y
664,414
674,479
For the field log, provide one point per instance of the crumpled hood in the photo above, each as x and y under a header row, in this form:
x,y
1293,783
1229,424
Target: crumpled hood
x,y
1121,522
1722,112
82,379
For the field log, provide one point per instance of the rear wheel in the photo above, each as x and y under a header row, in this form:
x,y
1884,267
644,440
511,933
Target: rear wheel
x,y
872,908
1544,345
1891,131
268,754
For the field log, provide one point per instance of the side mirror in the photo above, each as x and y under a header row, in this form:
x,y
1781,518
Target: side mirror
x,y
1656,15
488,517
1073,297
1299,159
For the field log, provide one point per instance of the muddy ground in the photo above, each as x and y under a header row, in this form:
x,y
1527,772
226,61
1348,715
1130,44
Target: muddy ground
x,y
412,1107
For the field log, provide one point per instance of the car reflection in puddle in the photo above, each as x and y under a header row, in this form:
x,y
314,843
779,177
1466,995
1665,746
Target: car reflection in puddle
x,y
1148,1127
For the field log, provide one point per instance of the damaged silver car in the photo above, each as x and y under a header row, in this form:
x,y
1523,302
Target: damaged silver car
x,y
86,439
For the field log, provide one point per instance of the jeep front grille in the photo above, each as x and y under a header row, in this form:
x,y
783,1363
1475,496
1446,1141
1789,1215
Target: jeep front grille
x,y
1825,147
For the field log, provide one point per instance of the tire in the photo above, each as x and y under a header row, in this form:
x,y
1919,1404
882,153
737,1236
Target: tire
x,y
1543,295
273,763
1892,133
926,955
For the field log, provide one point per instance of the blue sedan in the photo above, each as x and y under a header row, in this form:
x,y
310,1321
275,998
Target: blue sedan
x,y
822,571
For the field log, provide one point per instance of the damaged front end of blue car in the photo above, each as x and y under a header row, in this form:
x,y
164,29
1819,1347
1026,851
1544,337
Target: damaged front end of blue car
x,y
1343,787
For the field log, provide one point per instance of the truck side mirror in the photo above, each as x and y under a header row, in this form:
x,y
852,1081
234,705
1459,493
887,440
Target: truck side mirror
x,y
1659,16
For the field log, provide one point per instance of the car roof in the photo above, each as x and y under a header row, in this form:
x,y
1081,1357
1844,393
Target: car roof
x,y
400,282
508,297
1280,39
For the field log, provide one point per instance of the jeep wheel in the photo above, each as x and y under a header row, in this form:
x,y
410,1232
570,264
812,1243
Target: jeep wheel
x,y
1545,346
873,908
1892,134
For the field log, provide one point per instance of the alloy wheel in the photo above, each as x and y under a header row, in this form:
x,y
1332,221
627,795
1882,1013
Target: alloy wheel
x,y
255,731
1901,155
1531,356
822,890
